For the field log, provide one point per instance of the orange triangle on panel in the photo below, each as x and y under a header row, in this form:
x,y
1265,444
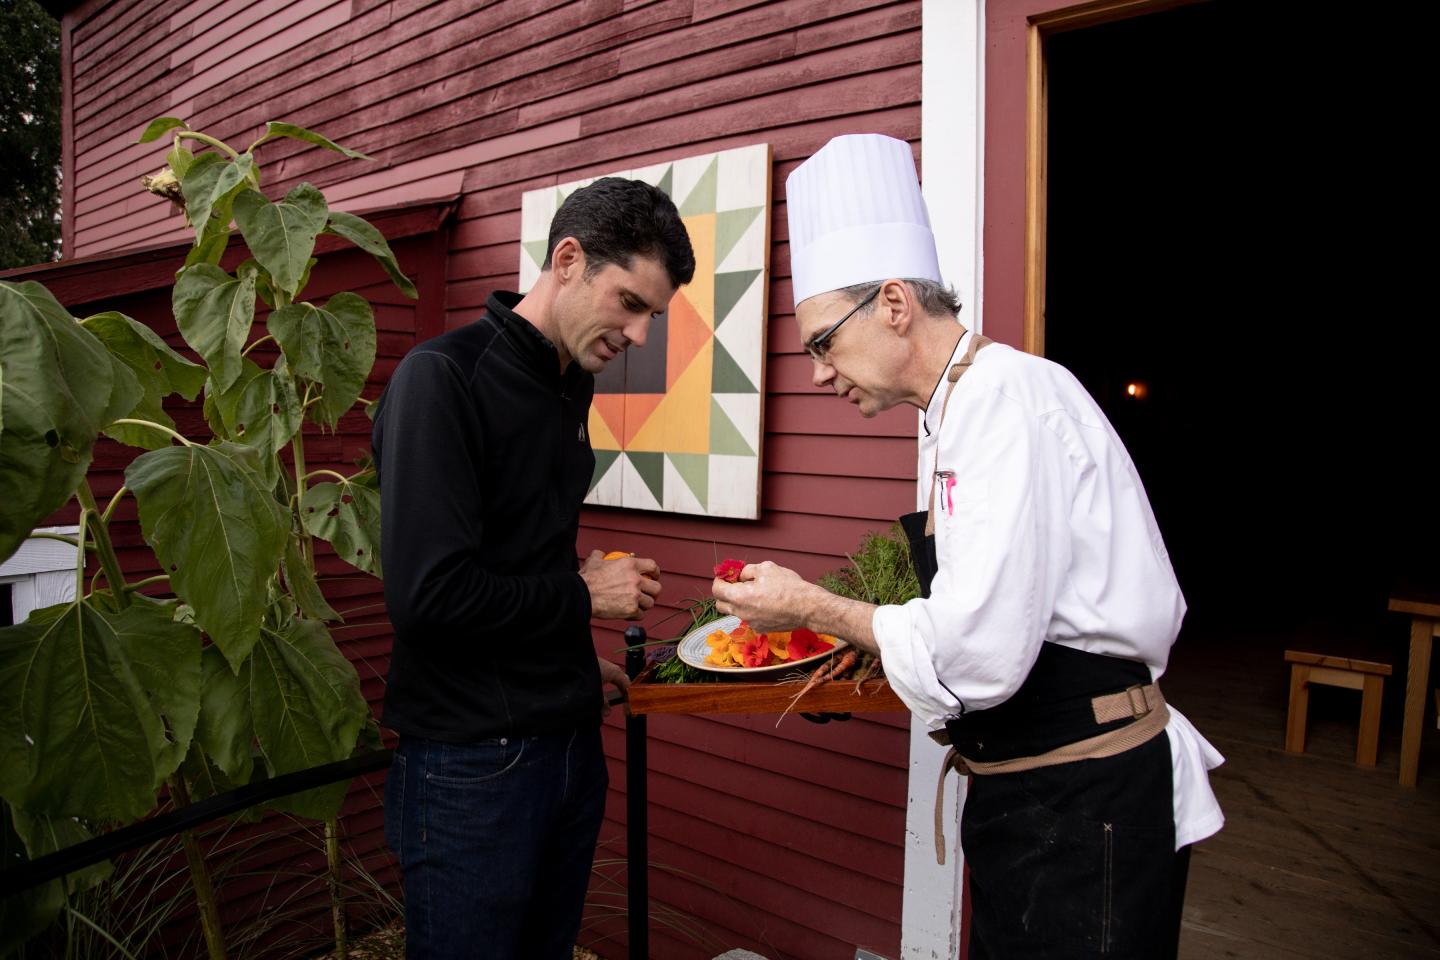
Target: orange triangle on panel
x,y
681,423
700,291
686,334
611,410
601,436
638,410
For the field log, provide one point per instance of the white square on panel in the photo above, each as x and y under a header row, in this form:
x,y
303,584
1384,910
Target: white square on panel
x,y
744,178
734,487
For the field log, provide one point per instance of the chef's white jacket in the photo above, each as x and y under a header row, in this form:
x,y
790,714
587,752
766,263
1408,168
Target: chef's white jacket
x,y
1046,536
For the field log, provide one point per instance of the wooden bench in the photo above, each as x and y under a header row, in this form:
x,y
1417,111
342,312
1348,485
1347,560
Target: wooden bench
x,y
1423,608
1366,676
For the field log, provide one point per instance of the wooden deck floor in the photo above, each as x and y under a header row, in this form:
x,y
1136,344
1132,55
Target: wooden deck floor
x,y
1318,858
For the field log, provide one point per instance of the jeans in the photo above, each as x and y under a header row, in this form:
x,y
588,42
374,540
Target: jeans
x,y
1076,860
495,841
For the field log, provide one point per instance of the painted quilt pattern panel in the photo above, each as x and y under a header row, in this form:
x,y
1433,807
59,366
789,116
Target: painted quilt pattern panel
x,y
676,424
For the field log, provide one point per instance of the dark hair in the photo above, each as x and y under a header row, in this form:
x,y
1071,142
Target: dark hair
x,y
935,299
615,220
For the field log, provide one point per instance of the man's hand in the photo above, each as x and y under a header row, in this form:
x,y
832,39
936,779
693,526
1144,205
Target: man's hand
x,y
620,589
768,597
612,675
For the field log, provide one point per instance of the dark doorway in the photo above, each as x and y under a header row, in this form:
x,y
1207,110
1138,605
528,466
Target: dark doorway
x,y
1213,239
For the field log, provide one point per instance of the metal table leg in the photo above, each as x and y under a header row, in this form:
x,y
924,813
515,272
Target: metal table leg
x,y
637,823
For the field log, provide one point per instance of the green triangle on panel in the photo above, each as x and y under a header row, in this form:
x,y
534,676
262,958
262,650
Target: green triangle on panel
x,y
604,460
730,226
559,198
695,469
537,250
667,182
726,375
702,198
729,288
651,467
724,436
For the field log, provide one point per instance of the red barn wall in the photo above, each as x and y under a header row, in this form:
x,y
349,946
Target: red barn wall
x,y
788,841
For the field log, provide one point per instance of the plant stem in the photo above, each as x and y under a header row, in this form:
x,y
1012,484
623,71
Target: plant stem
x,y
246,351
329,473
199,876
132,587
193,135
110,507
337,902
307,546
155,426
56,536
109,563
80,561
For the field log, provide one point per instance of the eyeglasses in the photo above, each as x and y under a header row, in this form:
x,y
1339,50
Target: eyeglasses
x,y
819,345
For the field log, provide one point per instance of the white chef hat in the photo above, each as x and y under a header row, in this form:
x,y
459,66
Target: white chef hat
x,y
856,215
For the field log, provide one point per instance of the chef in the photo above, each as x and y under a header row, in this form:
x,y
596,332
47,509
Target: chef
x,y
1048,602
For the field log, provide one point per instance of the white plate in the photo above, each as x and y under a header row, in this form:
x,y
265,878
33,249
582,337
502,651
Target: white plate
x,y
693,650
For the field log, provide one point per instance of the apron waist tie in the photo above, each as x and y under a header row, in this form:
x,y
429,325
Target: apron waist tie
x,y
1143,702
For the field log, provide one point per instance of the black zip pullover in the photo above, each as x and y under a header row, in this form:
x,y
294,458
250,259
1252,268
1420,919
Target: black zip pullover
x,y
483,460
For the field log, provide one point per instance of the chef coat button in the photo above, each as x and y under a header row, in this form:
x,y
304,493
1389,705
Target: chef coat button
x,y
504,741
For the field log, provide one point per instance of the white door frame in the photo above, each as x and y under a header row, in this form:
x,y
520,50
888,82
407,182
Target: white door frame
x,y
952,131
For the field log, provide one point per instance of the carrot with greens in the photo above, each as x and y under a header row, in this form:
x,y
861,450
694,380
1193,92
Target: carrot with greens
x,y
832,669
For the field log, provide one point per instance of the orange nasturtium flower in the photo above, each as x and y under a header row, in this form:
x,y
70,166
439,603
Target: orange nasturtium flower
x,y
720,655
806,643
756,650
729,570
779,644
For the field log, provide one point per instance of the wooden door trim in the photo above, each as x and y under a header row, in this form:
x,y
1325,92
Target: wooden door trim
x,y
1039,26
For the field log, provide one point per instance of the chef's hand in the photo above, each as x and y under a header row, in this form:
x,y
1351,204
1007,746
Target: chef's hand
x,y
612,675
768,597
621,589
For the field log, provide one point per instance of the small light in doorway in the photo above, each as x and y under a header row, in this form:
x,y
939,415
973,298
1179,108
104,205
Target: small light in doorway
x,y
1136,389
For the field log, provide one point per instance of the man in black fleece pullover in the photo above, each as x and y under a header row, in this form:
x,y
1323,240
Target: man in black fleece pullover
x,y
497,791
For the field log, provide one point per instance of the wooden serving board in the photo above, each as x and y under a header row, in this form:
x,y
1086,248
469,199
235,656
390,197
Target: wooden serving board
x,y
737,696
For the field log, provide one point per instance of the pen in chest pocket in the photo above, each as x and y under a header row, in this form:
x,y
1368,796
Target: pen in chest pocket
x,y
947,477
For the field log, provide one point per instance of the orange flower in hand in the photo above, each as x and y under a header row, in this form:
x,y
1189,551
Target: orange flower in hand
x,y
729,570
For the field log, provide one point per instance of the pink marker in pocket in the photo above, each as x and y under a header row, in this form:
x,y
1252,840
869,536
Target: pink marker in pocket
x,y
949,477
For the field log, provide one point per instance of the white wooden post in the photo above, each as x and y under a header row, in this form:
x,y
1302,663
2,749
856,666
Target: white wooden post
x,y
952,130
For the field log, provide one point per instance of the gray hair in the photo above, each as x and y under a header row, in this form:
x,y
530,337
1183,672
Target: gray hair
x,y
935,298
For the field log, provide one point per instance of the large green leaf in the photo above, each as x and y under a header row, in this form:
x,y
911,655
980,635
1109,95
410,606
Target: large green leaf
x,y
218,532
164,655
144,352
333,345
27,913
57,382
261,409
44,835
210,180
282,235
225,731
83,738
277,129
160,370
308,709
303,587
348,516
158,128
361,233
215,311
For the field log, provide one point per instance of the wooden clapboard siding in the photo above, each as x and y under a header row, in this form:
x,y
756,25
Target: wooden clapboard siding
x,y
791,838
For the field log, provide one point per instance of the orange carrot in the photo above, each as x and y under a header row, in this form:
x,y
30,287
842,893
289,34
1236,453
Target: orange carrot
x,y
872,667
832,668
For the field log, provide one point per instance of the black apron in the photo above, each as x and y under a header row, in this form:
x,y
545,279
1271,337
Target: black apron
x,y
1072,860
